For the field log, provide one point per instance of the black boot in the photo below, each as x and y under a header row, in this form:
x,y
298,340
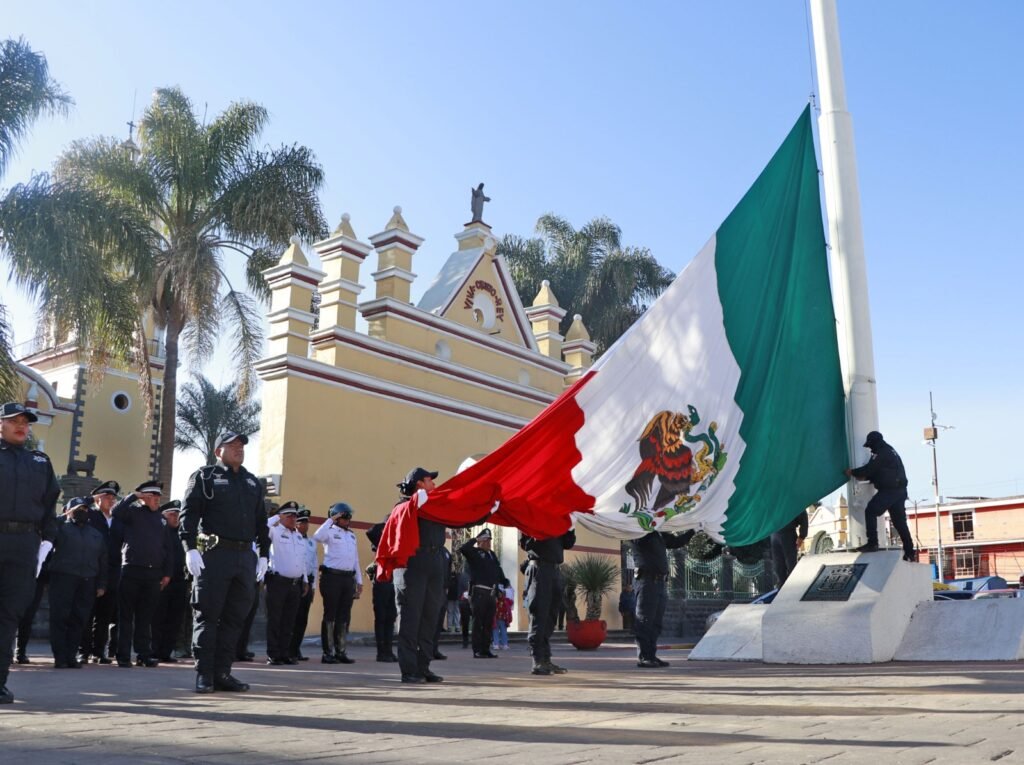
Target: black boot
x,y
340,633
326,641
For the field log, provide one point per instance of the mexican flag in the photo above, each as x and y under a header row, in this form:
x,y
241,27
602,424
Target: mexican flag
x,y
720,409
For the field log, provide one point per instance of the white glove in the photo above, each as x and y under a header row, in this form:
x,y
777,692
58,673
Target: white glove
x,y
194,563
261,568
421,497
44,550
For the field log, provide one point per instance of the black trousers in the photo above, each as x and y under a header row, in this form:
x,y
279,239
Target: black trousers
x,y
384,614
783,554
484,605
221,599
893,501
17,588
136,601
242,646
543,597
651,596
419,595
167,618
71,599
100,635
465,621
338,592
283,596
301,622
25,625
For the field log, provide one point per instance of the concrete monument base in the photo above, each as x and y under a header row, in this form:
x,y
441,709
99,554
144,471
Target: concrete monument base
x,y
825,614
866,627
991,629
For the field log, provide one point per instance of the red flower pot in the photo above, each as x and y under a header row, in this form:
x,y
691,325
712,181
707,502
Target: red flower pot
x,y
587,634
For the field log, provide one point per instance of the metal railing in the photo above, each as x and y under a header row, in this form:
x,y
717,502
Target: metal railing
x,y
721,578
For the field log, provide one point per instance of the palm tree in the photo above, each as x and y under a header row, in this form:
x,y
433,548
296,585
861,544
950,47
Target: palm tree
x,y
590,272
204,412
188,196
27,92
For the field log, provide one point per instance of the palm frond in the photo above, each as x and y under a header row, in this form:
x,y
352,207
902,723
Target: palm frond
x,y
27,92
259,260
230,137
104,164
244,323
10,383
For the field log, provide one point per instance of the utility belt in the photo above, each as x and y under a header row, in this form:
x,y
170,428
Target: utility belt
x,y
428,548
18,527
292,581
339,571
651,576
488,588
220,543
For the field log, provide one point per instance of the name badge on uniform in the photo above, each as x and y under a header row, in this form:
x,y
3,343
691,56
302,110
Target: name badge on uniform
x,y
219,481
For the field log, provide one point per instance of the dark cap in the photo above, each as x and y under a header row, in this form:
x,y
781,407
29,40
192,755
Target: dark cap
x,y
107,487
228,436
174,506
76,502
13,409
303,514
417,474
150,487
874,438
289,508
484,535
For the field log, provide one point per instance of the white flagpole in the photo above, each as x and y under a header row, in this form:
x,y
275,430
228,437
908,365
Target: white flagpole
x,y
849,273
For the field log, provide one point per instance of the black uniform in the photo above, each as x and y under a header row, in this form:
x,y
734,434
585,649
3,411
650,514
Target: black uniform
x,y
544,590
28,502
385,610
784,547
173,601
651,557
229,505
885,471
419,595
78,567
484,575
146,558
101,628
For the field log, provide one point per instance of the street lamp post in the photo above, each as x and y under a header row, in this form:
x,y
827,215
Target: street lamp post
x,y
931,435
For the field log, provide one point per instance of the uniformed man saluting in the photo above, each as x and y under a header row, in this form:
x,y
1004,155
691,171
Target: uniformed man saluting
x,y
28,523
341,581
225,502
484,575
286,582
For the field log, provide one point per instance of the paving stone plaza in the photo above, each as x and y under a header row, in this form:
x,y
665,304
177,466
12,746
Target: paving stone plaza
x,y
604,711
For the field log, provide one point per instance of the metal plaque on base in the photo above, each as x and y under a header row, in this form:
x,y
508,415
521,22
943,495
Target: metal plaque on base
x,y
835,582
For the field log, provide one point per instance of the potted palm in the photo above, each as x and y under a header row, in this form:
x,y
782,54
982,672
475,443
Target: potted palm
x,y
594,576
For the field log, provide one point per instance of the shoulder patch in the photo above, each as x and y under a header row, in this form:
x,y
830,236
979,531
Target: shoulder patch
x,y
40,457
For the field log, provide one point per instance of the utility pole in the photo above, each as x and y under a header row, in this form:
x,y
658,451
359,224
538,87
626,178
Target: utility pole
x,y
932,435
846,240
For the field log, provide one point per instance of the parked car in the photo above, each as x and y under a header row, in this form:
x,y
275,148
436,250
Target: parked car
x,y
986,594
762,600
953,595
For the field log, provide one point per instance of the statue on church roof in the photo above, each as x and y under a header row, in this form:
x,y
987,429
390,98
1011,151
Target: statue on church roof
x,y
477,204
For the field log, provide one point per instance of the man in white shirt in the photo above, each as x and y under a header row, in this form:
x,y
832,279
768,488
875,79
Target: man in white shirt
x,y
341,581
286,582
312,570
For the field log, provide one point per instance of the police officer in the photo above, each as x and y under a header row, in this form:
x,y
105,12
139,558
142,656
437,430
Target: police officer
x,y
78,574
341,581
285,581
224,502
385,610
100,629
484,575
146,561
312,571
885,471
650,552
28,524
543,595
173,601
419,588
784,544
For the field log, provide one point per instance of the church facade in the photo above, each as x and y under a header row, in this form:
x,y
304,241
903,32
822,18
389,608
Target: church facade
x,y
370,388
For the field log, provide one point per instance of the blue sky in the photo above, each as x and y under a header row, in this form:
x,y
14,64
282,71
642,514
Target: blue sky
x,y
658,115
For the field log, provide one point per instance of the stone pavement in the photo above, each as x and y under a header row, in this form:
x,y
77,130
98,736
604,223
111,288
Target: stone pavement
x,y
605,711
